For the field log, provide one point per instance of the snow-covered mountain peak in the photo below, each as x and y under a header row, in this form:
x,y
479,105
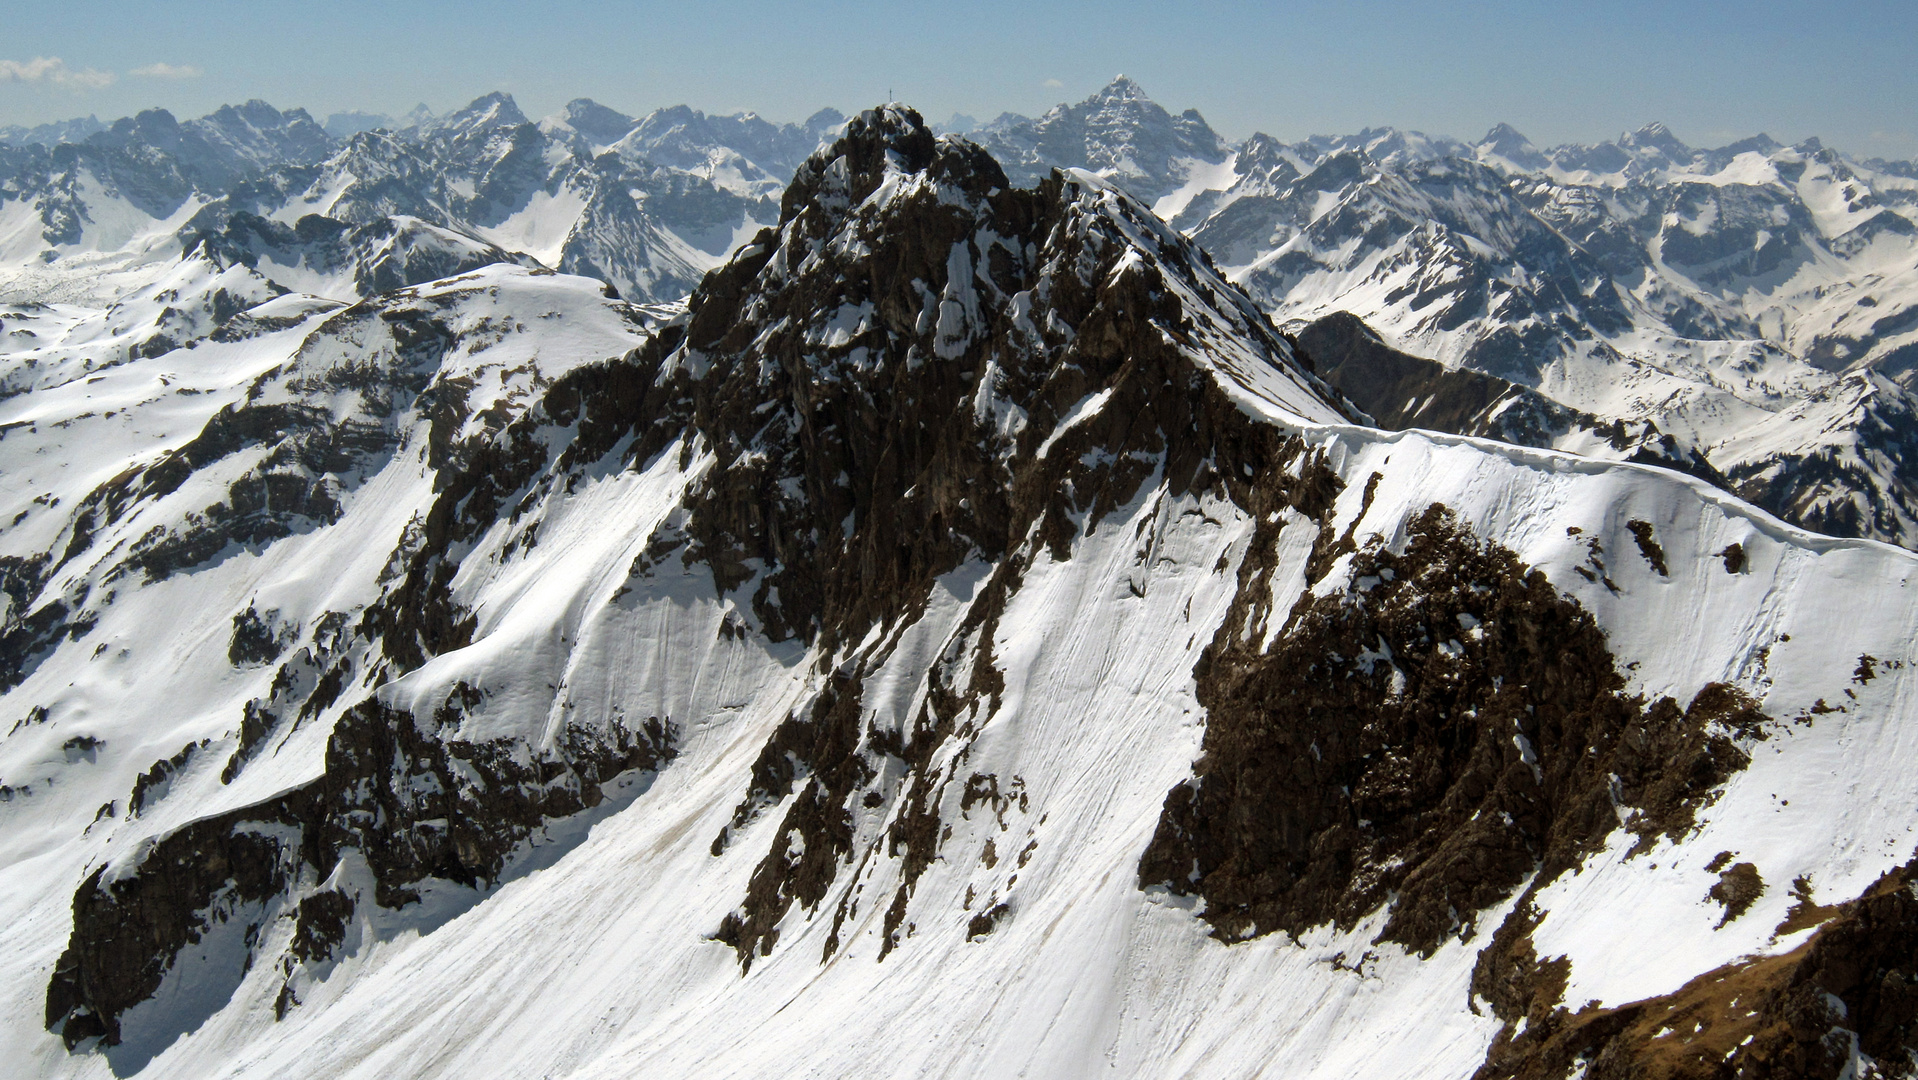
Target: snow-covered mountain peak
x,y
483,114
597,125
1760,143
742,150
964,637
1117,132
259,136
1656,137
155,128
1504,134
824,121
1121,89
1505,143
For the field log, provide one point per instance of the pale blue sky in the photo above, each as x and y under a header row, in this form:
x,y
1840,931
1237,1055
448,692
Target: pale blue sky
x,y
1842,69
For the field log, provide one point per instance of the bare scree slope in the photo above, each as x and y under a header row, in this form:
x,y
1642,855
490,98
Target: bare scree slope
x,y
963,637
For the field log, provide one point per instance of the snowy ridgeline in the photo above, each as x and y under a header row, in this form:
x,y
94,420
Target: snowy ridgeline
x,y
648,204
1012,661
1748,313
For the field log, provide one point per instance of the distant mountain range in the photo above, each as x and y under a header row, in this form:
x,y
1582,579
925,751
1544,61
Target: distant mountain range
x,y
963,637
647,204
1749,312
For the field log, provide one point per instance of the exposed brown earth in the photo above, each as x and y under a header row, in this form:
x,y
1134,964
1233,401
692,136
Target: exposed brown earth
x,y
1845,1003
1432,735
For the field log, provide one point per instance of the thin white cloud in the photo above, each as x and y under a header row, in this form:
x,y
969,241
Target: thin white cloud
x,y
1053,84
168,71
53,71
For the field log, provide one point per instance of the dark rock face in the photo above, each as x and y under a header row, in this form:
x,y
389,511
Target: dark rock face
x,y
1399,390
402,792
873,381
851,470
430,818
1429,736
127,931
1844,1003
256,640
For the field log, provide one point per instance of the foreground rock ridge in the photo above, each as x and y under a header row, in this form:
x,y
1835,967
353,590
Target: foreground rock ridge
x,y
965,616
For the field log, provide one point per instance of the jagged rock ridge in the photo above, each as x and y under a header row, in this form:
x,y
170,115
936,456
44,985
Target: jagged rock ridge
x,y
834,640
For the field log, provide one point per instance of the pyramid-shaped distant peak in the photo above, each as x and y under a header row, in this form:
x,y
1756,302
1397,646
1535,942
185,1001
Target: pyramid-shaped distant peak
x,y
1507,142
496,107
1121,88
1656,135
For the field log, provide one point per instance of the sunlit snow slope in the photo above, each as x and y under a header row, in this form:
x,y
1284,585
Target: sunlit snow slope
x,y
963,639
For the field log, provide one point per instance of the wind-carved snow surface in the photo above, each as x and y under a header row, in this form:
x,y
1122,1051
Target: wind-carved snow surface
x,y
505,429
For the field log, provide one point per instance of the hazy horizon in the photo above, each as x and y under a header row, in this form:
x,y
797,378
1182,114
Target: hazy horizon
x,y
1711,72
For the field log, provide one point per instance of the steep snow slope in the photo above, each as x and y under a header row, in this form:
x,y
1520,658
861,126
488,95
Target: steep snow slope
x,y
964,639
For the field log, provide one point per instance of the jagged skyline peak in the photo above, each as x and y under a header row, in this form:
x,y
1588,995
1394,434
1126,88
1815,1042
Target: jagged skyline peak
x,y
1123,91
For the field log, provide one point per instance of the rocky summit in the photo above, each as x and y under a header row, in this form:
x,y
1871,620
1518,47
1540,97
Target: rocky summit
x,y
696,596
